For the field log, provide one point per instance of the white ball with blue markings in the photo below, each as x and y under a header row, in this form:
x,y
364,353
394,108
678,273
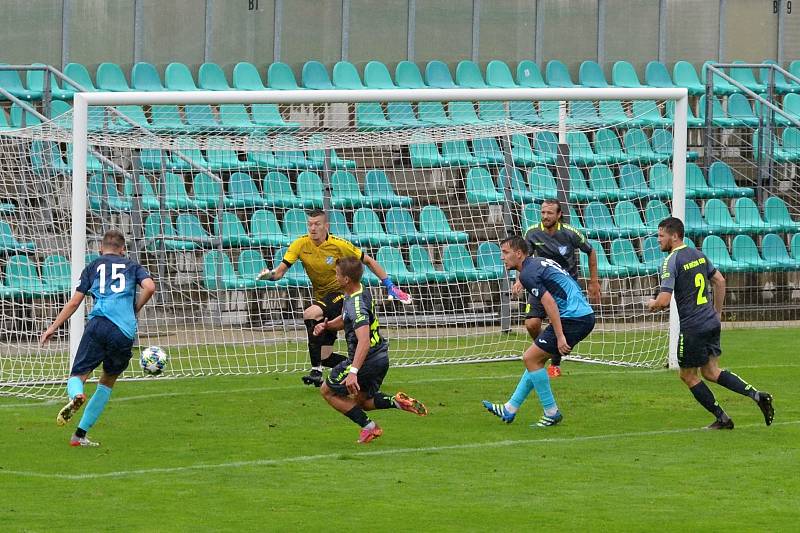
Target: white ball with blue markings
x,y
153,360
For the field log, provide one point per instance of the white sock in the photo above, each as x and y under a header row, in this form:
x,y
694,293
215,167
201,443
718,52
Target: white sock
x,y
552,411
317,368
510,408
371,425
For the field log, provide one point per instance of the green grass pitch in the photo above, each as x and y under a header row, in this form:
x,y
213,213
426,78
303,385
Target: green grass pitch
x,y
266,453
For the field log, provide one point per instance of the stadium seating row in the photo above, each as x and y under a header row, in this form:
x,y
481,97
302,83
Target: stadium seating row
x,y
246,76
189,233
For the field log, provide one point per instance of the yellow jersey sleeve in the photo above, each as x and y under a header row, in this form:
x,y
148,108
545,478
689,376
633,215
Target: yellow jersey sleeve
x,y
349,249
294,250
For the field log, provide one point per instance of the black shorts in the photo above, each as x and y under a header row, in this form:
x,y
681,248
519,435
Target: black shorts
x,y
370,375
575,330
102,342
534,308
331,305
694,349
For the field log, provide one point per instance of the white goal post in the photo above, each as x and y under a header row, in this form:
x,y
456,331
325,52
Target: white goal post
x,y
82,102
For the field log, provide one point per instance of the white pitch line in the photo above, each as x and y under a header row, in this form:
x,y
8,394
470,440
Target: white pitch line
x,y
637,372
373,453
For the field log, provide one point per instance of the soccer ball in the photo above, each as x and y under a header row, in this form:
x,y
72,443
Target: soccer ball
x,y
153,360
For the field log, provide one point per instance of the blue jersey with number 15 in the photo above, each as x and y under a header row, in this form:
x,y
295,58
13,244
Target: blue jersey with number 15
x,y
112,281
540,275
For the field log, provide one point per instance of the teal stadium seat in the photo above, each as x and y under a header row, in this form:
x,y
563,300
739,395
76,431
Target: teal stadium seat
x,y
558,74
598,222
346,192
242,192
402,113
265,230
532,215
35,82
368,227
345,76
654,212
463,113
720,85
190,149
234,118
624,257
696,185
9,243
110,77
250,264
281,77
612,113
579,190
468,74
746,77
720,177
456,258
316,154
492,112
519,187
604,267
191,229
278,190
434,224
288,154
481,189
229,229
200,118
391,259
11,82
104,195
167,119
629,221
695,223
78,73
657,75
147,196
662,144
340,227
542,183
247,78
424,152
315,76
211,78
717,251
522,152
376,76
749,218
437,75
178,77
489,260
379,189
648,113
581,152
719,218
309,188
133,112
591,74
525,112
22,118
159,231
691,120
624,75
607,145
269,116
175,195
604,185
488,151
686,76
221,156
637,146
219,273
208,192
432,113
719,117
775,254
795,245
421,263
652,256
745,252
408,76
529,75
584,114
400,222
456,153
660,180
370,117
294,223
22,275
776,214
499,75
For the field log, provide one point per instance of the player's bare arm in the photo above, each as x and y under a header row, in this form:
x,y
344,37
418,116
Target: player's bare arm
x,y
660,302
718,283
351,381
273,275
593,289
68,310
337,324
147,292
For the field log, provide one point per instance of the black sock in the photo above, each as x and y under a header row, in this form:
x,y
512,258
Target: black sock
x,y
80,433
705,397
555,360
314,347
357,415
383,401
731,381
333,359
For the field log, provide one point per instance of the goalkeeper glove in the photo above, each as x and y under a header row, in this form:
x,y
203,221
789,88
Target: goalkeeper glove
x,y
395,293
267,274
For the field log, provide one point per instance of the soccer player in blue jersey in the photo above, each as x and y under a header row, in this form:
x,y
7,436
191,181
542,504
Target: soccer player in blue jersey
x,y
112,280
353,386
571,320
688,275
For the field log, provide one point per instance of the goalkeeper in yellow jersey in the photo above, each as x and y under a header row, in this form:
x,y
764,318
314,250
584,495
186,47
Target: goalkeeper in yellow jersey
x,y
318,251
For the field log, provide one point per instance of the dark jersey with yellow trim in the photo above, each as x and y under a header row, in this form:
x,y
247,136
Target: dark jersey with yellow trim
x,y
359,311
685,273
320,261
560,246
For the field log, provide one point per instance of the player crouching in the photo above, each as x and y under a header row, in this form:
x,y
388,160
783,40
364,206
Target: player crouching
x,y
353,386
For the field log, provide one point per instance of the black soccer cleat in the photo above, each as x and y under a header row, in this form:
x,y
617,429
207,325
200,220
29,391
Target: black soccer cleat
x,y
765,404
313,378
720,424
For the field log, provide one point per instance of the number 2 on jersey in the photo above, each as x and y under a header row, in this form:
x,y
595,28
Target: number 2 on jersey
x,y
700,283
116,275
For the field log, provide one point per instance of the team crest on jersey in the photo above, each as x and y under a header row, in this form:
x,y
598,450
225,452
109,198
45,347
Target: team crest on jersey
x,y
329,260
562,250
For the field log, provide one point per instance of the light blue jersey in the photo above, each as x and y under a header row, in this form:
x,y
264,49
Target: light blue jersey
x,y
539,275
112,281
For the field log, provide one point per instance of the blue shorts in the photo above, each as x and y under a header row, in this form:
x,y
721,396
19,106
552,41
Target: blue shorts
x,y
102,342
575,330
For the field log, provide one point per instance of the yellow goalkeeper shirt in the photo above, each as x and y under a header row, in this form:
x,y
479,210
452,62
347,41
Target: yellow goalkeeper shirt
x,y
320,261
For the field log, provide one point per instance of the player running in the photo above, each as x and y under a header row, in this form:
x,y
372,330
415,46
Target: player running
x,y
688,274
318,251
111,279
552,239
354,384
571,320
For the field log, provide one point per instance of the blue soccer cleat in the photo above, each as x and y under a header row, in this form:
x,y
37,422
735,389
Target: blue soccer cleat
x,y
546,421
499,410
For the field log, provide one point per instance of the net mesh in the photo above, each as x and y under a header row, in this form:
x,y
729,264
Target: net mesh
x,y
208,196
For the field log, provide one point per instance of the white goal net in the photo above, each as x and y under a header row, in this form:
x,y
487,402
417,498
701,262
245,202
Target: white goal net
x,y
209,188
